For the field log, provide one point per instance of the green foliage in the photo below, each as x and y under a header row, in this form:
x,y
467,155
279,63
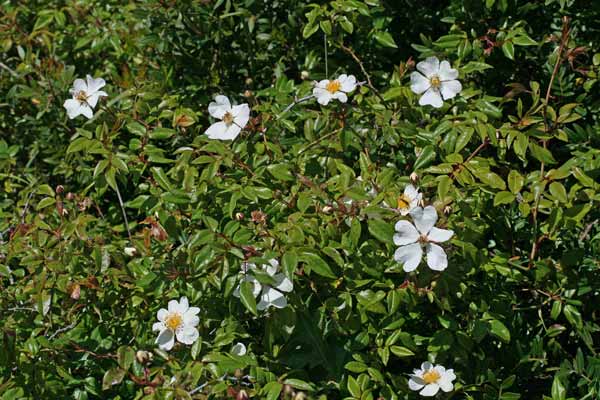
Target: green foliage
x,y
512,165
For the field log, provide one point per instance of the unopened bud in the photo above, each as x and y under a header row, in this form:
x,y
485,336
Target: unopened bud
x,y
60,189
304,75
70,196
242,395
300,396
248,93
239,216
328,209
414,177
249,81
447,210
143,356
130,251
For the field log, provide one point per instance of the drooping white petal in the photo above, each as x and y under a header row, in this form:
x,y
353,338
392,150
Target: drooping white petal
x,y
445,384
446,72
162,314
232,132
431,97
241,115
430,390
429,67
439,235
418,83
450,374
173,306
282,283
239,349
415,383
219,107
424,218
272,267
341,96
271,297
92,100
183,305
190,320
449,89
93,85
256,286
323,96
436,257
158,327
411,192
86,111
73,108
79,86
322,84
192,311
406,233
188,335
426,366
217,131
348,83
410,256
166,339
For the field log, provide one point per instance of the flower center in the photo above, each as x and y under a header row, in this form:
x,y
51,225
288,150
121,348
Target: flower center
x,y
228,118
435,82
174,321
403,202
333,86
431,376
81,96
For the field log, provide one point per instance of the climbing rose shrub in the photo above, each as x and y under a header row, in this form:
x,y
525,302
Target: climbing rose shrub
x,y
357,199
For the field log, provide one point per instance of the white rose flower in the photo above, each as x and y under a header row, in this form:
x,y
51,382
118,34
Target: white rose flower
x,y
436,80
179,321
239,349
409,200
271,295
411,239
85,97
233,119
430,379
338,89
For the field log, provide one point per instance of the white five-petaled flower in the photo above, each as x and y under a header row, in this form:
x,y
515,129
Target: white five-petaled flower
x,y
179,321
411,238
233,119
85,97
269,295
436,80
430,379
409,200
339,88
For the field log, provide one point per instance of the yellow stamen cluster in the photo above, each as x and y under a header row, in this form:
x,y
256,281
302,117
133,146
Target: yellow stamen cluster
x,y
174,321
403,202
228,118
435,82
81,96
333,86
431,376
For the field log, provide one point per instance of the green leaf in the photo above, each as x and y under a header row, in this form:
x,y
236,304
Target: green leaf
x,y
573,316
400,351
499,330
475,66
247,297
558,191
509,50
162,133
503,197
385,39
558,389
112,377
515,181
125,356
382,231
317,265
425,158
299,384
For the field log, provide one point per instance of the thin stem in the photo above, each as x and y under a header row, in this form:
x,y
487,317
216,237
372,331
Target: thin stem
x,y
123,210
325,46
296,101
364,71
7,68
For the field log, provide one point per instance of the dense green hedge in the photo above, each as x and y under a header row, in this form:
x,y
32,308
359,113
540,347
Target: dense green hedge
x,y
104,221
